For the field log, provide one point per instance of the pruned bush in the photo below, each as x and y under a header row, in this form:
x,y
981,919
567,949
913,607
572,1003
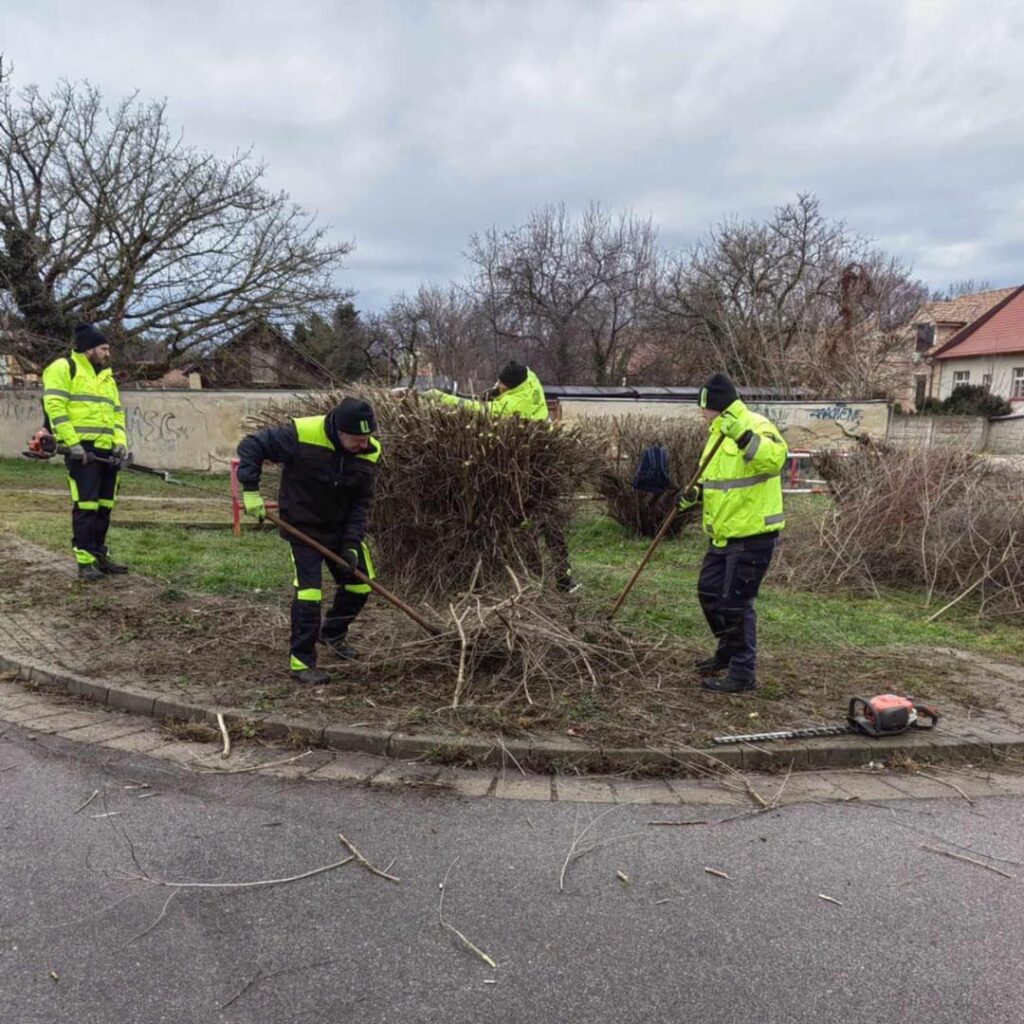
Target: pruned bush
x,y
624,439
944,521
974,400
463,496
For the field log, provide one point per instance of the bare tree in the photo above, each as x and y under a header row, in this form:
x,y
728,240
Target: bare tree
x,y
107,215
967,286
796,300
570,295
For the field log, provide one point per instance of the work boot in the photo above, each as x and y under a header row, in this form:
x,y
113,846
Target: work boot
x,y
710,666
311,676
343,650
338,645
89,571
566,584
109,567
730,684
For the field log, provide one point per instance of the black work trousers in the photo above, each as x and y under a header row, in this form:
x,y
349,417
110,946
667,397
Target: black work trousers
x,y
93,492
729,581
348,602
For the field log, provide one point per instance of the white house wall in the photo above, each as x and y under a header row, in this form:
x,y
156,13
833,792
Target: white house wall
x,y
1001,368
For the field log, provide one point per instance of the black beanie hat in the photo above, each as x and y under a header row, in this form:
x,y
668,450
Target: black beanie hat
x,y
87,336
352,416
512,374
718,394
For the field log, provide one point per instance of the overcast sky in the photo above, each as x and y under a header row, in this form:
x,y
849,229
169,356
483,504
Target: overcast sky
x,y
408,125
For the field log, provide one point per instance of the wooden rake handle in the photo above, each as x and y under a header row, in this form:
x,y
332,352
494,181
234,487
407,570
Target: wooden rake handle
x,y
665,526
352,571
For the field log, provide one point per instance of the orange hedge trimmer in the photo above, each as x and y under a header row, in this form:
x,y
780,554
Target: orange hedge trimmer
x,y
885,715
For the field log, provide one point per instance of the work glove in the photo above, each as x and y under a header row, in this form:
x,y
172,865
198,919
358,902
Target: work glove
x,y
351,557
76,453
119,453
732,427
687,499
253,502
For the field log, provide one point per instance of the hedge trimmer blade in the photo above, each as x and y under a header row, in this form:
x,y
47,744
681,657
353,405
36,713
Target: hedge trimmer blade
x,y
787,734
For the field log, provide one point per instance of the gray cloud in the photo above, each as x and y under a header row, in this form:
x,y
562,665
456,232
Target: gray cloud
x,y
408,125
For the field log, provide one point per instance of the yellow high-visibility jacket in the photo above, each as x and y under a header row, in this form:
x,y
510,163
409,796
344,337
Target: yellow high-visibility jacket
x,y
741,488
83,405
525,400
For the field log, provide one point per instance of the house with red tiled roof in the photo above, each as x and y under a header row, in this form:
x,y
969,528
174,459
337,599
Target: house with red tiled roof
x,y
988,351
936,323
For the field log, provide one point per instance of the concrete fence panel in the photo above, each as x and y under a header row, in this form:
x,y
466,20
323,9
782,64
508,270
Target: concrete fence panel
x,y
197,430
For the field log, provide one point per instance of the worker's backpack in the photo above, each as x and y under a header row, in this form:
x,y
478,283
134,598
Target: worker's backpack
x,y
652,473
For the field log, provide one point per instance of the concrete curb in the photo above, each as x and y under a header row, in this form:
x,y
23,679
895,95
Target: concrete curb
x,y
538,755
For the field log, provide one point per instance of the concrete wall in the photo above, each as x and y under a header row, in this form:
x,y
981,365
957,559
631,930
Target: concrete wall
x,y
970,432
1006,436
804,425
168,429
200,430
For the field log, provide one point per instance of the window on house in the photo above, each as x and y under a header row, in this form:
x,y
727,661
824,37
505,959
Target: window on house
x,y
961,377
986,381
925,337
1018,382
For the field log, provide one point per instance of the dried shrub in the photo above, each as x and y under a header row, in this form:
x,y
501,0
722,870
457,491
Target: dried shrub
x,y
461,494
624,439
941,520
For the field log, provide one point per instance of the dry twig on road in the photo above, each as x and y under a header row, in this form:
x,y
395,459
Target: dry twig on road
x,y
449,927
365,863
969,860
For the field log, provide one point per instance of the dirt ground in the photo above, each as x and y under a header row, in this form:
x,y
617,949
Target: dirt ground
x,y
232,653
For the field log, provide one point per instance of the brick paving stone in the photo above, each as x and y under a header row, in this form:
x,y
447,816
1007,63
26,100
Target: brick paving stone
x,y
405,773
187,753
806,787
523,787
354,767
38,711
68,720
297,769
868,787
138,742
107,729
11,701
644,791
466,782
586,791
701,794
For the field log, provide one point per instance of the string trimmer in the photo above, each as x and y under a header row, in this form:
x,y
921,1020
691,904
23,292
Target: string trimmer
x,y
885,715
44,446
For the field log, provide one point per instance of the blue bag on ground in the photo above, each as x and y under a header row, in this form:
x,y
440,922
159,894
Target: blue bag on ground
x,y
652,473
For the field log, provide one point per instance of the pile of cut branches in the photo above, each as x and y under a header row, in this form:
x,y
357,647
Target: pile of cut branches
x,y
625,438
941,520
526,660
462,495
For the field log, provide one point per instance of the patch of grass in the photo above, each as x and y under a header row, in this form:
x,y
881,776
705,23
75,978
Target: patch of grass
x,y
31,474
256,566
665,596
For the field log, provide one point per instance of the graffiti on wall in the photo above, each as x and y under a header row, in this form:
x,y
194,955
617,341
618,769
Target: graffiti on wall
x,y
154,426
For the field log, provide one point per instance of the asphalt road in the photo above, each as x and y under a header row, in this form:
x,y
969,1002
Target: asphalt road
x,y
919,937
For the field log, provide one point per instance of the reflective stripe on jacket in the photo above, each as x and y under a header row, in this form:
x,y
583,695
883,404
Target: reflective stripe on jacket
x,y
742,487
85,406
525,400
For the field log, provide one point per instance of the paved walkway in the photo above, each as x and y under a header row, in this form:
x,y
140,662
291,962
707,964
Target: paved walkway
x,y
25,707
